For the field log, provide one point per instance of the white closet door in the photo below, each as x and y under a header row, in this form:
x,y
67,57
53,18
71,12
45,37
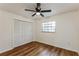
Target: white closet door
x,y
23,32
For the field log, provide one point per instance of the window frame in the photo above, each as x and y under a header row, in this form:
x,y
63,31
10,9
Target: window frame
x,y
50,26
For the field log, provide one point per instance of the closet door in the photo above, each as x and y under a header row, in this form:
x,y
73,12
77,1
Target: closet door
x,y
23,32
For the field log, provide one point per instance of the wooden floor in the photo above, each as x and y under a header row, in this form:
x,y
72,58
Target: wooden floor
x,y
38,49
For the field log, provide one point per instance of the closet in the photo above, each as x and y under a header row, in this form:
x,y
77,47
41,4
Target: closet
x,y
22,32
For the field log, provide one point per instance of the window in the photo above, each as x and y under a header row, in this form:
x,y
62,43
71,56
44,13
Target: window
x,y
49,26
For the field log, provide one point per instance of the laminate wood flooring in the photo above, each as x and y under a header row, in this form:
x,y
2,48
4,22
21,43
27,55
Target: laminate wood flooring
x,y
38,49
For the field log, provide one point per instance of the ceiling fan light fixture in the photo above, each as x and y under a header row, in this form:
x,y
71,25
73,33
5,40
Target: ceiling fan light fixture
x,y
38,10
37,13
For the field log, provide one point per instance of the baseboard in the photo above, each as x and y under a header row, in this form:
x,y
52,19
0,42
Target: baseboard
x,y
13,47
6,50
23,44
57,46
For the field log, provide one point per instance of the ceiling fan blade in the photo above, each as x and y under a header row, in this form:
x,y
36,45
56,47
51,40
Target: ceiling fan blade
x,y
30,10
34,14
42,15
45,10
38,5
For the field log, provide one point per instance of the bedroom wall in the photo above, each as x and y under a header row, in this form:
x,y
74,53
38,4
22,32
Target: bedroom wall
x,y
7,29
67,31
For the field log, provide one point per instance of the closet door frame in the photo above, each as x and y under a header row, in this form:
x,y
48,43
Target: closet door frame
x,y
15,21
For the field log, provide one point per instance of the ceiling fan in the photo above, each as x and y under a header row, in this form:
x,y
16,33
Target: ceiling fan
x,y
38,10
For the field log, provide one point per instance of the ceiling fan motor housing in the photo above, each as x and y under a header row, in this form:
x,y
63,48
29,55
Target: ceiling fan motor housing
x,y
38,9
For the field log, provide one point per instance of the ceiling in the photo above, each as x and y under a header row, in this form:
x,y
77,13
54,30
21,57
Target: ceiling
x,y
57,8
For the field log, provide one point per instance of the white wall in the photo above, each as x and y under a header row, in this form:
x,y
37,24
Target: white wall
x,y
67,31
7,29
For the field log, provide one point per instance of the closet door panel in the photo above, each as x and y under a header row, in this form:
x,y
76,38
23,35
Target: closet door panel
x,y
23,32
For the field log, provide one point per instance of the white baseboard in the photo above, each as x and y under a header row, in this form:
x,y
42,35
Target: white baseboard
x,y
60,47
6,50
12,48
